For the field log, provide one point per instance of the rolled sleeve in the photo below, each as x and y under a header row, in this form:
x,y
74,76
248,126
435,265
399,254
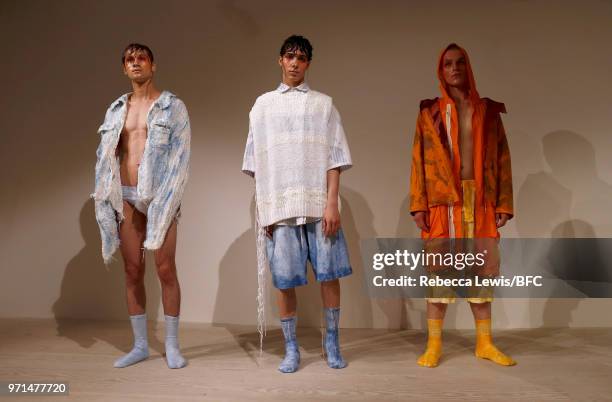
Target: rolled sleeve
x,y
248,162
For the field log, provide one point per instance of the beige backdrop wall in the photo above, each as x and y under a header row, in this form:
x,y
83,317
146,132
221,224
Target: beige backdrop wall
x,y
548,61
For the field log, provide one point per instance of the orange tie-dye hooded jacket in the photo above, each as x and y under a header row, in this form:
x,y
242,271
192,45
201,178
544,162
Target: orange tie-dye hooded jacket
x,y
435,183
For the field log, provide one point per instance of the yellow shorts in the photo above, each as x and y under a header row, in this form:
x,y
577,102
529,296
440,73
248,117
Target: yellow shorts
x,y
475,294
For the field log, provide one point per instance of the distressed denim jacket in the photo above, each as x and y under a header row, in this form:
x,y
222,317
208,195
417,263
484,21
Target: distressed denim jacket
x,y
162,173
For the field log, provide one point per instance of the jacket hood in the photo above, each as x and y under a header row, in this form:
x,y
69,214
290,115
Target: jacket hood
x,y
473,93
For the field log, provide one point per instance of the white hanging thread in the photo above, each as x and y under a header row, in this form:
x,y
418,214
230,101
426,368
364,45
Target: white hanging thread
x,y
261,279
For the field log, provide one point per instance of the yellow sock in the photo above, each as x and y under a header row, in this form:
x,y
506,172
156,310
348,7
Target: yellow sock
x,y
484,345
434,344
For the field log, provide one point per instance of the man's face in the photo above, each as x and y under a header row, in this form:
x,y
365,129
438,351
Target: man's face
x,y
294,64
454,69
138,67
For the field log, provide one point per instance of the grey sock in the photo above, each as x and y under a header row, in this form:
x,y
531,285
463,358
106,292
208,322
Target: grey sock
x,y
174,359
140,351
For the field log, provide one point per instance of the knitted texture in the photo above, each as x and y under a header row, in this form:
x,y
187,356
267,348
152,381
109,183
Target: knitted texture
x,y
295,137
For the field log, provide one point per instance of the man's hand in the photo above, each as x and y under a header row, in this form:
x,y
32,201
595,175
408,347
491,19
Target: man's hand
x,y
331,216
501,219
421,218
331,220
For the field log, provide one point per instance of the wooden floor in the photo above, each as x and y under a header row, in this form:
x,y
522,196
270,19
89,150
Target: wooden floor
x,y
224,365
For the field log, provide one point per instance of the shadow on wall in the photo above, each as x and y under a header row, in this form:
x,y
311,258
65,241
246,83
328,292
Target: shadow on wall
x,y
91,290
563,202
237,292
397,310
236,300
239,18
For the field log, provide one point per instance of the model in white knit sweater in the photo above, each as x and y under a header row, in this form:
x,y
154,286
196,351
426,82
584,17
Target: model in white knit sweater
x,y
296,149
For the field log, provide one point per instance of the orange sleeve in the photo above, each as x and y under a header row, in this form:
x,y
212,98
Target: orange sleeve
x,y
505,202
418,192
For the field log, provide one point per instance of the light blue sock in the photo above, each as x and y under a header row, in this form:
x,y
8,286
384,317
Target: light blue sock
x,y
332,345
140,351
291,361
174,359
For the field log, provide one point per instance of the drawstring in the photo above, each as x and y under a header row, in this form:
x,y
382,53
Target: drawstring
x,y
302,235
451,222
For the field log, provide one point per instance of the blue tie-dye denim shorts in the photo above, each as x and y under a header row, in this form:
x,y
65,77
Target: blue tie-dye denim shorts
x,y
292,246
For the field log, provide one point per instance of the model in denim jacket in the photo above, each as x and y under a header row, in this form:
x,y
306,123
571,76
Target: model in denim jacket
x,y
141,171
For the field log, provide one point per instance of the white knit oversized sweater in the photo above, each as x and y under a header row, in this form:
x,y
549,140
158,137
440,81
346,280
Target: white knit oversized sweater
x,y
295,137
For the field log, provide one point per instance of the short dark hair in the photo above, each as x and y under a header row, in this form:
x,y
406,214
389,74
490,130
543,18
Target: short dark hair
x,y
137,47
297,42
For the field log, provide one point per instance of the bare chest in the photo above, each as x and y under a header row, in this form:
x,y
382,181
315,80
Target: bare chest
x,y
136,120
465,121
466,146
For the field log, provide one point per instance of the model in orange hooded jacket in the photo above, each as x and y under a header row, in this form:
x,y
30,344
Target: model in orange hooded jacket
x,y
435,183
466,207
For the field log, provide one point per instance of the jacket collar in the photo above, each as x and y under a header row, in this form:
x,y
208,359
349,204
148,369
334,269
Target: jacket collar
x,y
164,100
303,87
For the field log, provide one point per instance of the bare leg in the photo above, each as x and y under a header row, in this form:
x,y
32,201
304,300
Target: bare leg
x,y
171,296
330,293
436,311
287,303
481,311
132,233
166,271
